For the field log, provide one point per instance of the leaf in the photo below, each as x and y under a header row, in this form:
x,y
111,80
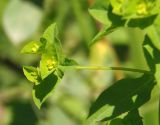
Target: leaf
x,y
42,91
59,72
105,31
34,47
53,55
135,9
101,16
123,96
117,121
133,118
152,55
69,62
31,74
103,13
153,32
53,44
18,20
99,11
142,22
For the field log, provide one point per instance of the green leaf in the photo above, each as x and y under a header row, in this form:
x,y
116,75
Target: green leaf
x,y
152,55
117,121
31,74
101,16
135,8
53,45
18,20
34,47
154,34
133,118
103,13
69,62
142,22
42,91
53,55
123,96
59,72
105,31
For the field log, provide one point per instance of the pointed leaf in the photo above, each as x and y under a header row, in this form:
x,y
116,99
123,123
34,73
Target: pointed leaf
x,y
154,33
133,118
123,96
59,72
31,74
152,55
117,121
34,47
41,91
53,44
142,22
69,62
105,31
99,11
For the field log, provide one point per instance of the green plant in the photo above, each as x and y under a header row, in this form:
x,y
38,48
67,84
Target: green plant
x,y
114,105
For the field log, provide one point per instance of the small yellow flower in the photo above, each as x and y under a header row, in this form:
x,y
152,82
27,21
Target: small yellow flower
x,y
51,63
142,9
35,48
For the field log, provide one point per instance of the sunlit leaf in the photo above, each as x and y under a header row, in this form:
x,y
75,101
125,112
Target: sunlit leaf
x,y
34,47
154,33
31,74
53,45
53,55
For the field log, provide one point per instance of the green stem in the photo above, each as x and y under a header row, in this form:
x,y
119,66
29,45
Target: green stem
x,y
159,112
105,68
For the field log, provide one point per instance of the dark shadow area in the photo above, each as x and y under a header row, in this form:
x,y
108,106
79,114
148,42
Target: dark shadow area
x,y
45,87
23,113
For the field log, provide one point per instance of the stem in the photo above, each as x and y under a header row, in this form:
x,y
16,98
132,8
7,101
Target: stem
x,y
106,68
159,111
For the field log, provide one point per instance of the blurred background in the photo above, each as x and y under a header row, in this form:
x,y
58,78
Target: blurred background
x,y
24,20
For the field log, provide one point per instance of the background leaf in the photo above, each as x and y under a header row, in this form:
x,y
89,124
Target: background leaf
x,y
114,101
18,20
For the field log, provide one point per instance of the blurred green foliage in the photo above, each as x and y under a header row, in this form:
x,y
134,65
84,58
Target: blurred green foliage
x,y
25,20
